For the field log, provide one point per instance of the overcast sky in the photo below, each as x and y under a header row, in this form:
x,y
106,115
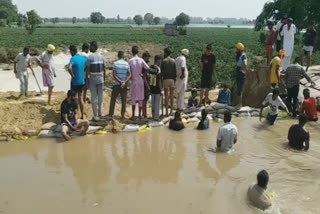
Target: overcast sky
x,y
168,8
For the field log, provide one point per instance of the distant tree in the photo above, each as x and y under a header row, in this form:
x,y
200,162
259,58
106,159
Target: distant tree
x,y
74,20
3,22
97,18
55,20
21,19
156,20
8,11
118,18
138,19
32,22
182,19
148,18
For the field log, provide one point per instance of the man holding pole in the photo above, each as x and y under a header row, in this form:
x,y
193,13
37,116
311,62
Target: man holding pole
x,y
46,62
21,64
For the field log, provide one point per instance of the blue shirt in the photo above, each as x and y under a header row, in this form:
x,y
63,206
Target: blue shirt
x,y
78,68
121,69
203,125
225,97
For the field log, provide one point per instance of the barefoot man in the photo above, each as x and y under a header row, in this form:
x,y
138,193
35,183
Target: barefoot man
x,y
45,61
69,117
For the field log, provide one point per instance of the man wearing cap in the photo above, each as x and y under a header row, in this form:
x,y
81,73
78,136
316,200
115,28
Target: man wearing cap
x,y
241,70
46,62
182,78
274,67
288,32
208,64
168,75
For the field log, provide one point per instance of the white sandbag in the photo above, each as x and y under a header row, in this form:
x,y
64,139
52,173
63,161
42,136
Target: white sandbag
x,y
184,116
199,115
245,109
219,106
255,114
221,116
49,134
244,114
192,115
217,119
193,120
131,128
94,129
155,124
49,126
209,117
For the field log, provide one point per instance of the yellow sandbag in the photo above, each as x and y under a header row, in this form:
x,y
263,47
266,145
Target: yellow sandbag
x,y
144,128
272,196
100,132
283,114
19,137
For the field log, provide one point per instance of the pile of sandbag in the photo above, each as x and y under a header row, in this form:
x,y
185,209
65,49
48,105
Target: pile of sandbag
x,y
52,130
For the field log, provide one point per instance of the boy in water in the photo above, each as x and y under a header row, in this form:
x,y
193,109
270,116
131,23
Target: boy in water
x,y
258,194
193,101
273,100
298,137
176,124
204,123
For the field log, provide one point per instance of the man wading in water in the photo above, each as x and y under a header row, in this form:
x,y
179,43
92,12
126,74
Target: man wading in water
x,y
298,137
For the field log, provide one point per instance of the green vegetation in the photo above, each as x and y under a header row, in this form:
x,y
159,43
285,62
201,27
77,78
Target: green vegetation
x,y
223,41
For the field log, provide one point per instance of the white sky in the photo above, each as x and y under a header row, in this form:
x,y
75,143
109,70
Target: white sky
x,y
168,8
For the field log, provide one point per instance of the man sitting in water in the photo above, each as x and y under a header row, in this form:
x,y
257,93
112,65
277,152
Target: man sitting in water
x,y
176,124
274,101
227,135
309,106
204,123
258,194
298,137
69,117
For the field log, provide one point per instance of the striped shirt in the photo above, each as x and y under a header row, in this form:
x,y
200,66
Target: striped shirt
x,y
121,69
97,66
294,74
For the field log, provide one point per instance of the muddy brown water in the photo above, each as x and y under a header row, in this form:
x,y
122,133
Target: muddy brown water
x,y
159,172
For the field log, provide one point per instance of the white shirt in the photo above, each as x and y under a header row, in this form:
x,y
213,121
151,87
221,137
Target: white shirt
x,y
278,26
274,104
84,54
22,62
288,38
181,62
47,59
227,134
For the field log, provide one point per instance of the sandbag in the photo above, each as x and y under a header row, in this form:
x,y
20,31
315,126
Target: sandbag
x,y
245,109
131,128
193,120
49,134
49,126
144,128
155,124
231,108
222,111
217,119
255,114
209,117
219,106
193,114
244,114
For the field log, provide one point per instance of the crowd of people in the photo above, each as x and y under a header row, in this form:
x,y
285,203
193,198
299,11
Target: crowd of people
x,y
168,78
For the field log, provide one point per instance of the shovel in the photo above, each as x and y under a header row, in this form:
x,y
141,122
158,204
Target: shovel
x,y
36,81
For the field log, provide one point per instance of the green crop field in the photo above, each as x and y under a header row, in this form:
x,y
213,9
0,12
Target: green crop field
x,y
223,41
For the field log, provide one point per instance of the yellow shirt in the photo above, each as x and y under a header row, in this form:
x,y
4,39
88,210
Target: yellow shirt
x,y
276,61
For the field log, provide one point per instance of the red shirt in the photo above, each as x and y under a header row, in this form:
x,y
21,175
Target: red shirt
x,y
309,106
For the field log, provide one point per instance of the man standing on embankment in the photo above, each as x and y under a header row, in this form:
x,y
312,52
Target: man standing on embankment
x,y
21,64
182,78
241,70
46,62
